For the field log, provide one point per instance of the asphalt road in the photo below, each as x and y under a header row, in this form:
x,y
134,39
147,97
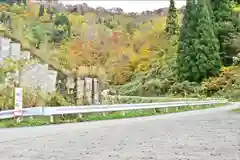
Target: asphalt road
x,y
212,134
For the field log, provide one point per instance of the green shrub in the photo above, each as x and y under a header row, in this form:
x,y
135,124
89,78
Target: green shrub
x,y
56,99
31,98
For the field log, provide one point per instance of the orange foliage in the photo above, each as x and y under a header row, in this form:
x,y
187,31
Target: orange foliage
x,y
114,57
115,37
76,47
3,7
84,53
228,77
120,54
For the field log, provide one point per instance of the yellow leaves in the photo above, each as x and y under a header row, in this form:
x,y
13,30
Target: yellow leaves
x,y
118,63
2,28
144,50
236,8
215,84
32,10
76,22
95,71
75,19
158,24
143,66
149,36
134,60
227,77
17,9
90,17
4,7
141,60
228,69
17,24
45,18
119,72
26,14
148,29
138,35
81,53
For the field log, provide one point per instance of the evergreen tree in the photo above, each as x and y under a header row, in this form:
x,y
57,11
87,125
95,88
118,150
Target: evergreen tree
x,y
226,26
24,2
62,28
184,47
198,52
237,1
50,11
2,76
41,10
172,25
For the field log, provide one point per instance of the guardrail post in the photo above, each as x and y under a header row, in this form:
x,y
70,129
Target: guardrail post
x,y
166,109
42,110
176,109
154,110
123,113
51,119
19,119
80,115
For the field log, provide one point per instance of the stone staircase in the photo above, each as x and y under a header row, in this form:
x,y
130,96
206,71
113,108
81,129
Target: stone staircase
x,y
30,75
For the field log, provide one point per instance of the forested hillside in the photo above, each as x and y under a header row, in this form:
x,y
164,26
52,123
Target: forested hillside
x,y
193,51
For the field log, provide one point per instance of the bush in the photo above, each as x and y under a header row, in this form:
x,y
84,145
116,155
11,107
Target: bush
x,y
227,80
31,98
6,98
231,94
186,89
56,99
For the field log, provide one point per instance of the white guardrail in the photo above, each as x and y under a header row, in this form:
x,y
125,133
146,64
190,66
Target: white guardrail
x,y
50,111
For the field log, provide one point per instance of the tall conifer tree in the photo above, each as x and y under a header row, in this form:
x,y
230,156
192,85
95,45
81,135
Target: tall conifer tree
x,y
41,10
198,52
225,27
172,26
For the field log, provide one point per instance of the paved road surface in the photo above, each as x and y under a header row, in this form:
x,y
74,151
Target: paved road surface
x,y
212,134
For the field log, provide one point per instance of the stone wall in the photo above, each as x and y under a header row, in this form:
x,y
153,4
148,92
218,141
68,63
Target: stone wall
x,y
30,75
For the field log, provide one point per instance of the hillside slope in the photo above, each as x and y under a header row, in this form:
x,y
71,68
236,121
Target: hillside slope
x,y
131,50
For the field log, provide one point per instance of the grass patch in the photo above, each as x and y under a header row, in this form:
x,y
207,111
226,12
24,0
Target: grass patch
x,y
237,110
137,99
71,118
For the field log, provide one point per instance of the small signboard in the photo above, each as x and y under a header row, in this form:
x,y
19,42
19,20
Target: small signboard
x,y
18,109
1,62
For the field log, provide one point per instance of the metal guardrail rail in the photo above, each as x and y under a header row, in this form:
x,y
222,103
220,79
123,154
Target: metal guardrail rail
x,y
158,98
50,111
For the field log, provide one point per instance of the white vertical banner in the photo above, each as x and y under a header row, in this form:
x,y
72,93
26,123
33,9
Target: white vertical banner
x,y
18,105
1,62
